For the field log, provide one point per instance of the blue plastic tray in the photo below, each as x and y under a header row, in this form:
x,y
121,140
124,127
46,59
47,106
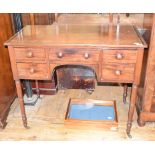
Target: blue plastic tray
x,y
95,112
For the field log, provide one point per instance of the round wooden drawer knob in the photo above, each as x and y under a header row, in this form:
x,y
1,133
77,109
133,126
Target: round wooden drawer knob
x,y
29,54
60,55
32,70
119,56
118,72
86,55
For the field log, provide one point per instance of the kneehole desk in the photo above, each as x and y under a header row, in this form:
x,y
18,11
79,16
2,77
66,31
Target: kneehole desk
x,y
114,52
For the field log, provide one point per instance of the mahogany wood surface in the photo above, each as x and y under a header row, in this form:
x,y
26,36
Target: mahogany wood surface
x,y
120,56
37,18
32,18
84,35
7,86
86,19
30,54
114,52
118,73
87,55
148,19
145,102
32,71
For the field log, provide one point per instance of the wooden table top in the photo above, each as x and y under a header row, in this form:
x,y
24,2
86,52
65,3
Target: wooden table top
x,y
91,35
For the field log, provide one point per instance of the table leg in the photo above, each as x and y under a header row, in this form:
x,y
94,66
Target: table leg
x,y
21,102
140,123
125,93
131,109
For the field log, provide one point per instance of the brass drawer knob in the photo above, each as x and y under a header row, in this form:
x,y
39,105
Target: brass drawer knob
x,y
29,54
32,70
60,55
86,55
118,72
119,56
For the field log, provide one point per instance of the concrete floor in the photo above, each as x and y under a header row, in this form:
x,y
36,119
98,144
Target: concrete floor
x,y
46,119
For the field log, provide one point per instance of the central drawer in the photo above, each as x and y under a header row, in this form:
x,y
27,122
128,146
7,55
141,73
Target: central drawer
x,y
30,54
74,55
32,71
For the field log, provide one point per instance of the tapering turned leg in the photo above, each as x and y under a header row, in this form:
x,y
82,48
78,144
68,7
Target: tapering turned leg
x,y
140,123
21,102
2,124
131,109
125,93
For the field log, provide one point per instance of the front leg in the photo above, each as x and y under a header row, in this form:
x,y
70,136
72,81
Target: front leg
x,y
131,109
21,102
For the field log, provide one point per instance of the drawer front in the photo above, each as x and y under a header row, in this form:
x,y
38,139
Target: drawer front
x,y
74,55
119,56
32,71
30,54
118,73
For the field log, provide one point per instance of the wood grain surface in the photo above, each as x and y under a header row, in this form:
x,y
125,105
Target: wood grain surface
x,y
88,35
7,85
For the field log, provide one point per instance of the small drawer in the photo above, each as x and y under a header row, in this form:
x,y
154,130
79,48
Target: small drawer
x,y
30,54
32,71
74,55
119,56
118,73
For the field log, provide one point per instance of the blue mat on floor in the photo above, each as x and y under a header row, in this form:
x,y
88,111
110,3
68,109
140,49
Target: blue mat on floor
x,y
95,112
